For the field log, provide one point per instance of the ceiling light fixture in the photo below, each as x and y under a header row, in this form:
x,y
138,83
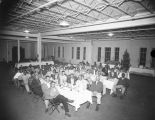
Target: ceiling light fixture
x,y
64,23
26,31
27,37
110,34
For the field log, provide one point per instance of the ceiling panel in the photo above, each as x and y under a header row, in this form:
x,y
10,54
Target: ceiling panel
x,y
48,14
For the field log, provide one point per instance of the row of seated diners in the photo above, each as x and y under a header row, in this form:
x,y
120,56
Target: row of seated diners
x,y
81,80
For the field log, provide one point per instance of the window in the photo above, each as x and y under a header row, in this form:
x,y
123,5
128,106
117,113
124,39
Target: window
x,y
107,54
54,52
84,53
143,56
58,51
153,59
72,52
78,53
99,54
63,52
116,54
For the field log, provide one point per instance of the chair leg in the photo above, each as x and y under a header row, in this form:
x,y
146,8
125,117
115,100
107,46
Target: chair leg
x,y
54,107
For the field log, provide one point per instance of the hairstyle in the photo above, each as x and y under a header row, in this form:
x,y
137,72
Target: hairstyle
x,y
123,75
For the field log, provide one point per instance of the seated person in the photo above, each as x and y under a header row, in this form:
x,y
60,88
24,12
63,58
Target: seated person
x,y
51,92
35,85
25,78
113,77
112,74
17,77
55,77
96,88
71,80
81,84
105,69
49,72
63,78
127,74
102,79
122,83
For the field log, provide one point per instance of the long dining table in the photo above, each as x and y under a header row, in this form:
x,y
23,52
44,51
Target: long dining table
x,y
23,64
79,97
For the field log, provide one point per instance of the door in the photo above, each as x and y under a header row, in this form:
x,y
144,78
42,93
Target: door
x,y
15,54
153,58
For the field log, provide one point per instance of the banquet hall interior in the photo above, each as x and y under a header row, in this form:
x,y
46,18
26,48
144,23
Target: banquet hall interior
x,y
85,35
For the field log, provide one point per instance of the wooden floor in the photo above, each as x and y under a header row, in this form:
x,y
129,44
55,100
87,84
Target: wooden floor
x,y
139,104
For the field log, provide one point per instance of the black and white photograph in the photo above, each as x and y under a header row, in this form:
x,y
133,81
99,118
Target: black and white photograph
x,y
77,59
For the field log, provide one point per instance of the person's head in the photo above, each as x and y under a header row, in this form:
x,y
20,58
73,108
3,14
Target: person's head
x,y
24,72
52,84
81,77
123,75
47,78
72,75
112,73
97,78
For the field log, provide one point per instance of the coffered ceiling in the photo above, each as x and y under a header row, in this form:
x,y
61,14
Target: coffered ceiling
x,y
40,16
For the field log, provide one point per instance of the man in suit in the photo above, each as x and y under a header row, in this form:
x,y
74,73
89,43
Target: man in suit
x,y
51,93
123,83
96,88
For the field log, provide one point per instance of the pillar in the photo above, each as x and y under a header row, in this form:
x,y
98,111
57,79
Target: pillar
x,y
18,50
7,51
39,49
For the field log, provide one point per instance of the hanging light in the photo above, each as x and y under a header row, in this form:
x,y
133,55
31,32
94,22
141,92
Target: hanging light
x,y
110,34
64,23
26,31
26,37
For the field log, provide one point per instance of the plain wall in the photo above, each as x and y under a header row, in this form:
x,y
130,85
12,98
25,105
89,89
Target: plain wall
x,y
30,49
49,49
132,45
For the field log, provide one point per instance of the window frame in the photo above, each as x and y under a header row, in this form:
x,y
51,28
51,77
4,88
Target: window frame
x,y
84,53
59,52
107,54
117,53
142,56
72,52
63,52
78,53
99,54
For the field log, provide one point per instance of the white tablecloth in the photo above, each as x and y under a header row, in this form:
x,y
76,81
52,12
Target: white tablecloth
x,y
110,65
142,71
33,63
78,97
108,84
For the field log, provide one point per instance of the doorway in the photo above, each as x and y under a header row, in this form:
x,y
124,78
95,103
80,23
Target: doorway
x,y
15,54
153,60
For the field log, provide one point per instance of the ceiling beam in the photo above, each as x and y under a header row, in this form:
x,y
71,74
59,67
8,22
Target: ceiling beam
x,y
17,38
13,33
61,38
115,24
35,40
59,41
